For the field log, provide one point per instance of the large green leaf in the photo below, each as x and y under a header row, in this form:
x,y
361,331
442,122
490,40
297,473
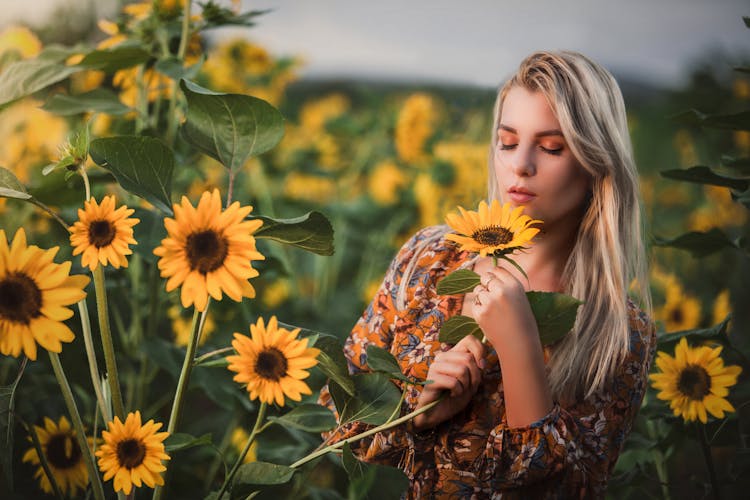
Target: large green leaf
x,y
456,328
23,78
312,232
380,360
699,244
11,187
704,175
332,362
717,333
376,399
253,474
733,121
115,58
101,100
230,127
372,481
308,417
555,314
461,281
142,165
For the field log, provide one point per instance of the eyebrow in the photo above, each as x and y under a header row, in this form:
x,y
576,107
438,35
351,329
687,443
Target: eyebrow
x,y
543,133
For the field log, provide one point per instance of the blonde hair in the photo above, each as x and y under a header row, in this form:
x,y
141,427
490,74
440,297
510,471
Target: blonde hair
x,y
608,252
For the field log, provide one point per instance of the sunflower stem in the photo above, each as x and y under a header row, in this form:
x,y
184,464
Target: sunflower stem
x,y
397,409
171,113
77,425
709,460
230,189
200,359
107,344
86,184
88,341
238,463
375,430
50,212
43,460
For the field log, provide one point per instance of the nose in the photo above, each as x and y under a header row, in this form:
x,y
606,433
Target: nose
x,y
523,162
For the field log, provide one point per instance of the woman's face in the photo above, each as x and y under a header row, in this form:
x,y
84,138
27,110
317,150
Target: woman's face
x,y
534,165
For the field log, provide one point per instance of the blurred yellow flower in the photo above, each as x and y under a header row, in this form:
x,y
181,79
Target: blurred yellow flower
x,y
680,310
239,440
315,114
21,40
415,125
386,182
156,84
181,327
429,198
695,381
720,211
741,89
722,307
742,141
306,187
470,166
276,293
368,293
683,144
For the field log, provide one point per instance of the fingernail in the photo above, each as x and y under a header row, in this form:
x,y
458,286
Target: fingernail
x,y
483,363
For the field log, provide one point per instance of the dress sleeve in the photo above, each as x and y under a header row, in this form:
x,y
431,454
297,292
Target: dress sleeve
x,y
576,446
376,327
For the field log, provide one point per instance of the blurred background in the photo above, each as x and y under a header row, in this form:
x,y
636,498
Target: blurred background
x,y
388,113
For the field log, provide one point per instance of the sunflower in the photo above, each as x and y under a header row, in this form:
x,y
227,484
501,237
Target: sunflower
x,y
33,294
694,381
208,251
132,453
680,311
493,230
64,457
272,363
102,234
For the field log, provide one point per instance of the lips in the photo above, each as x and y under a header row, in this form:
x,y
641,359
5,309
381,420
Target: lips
x,y
521,195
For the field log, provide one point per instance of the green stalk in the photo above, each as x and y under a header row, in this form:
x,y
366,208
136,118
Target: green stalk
x,y
43,460
226,441
375,430
107,344
171,118
77,425
709,460
253,433
88,341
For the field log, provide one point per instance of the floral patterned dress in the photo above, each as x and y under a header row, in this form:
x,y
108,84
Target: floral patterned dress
x,y
569,453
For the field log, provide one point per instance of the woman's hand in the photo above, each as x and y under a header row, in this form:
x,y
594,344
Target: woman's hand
x,y
457,373
502,309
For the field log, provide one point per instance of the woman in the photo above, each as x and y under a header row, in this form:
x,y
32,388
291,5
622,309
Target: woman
x,y
519,419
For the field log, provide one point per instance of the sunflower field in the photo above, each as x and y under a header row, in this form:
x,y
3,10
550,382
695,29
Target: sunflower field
x,y
188,232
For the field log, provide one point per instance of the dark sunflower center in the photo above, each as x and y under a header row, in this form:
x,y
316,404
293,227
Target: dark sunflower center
x,y
492,235
20,298
694,382
206,251
63,451
130,453
101,233
271,364
676,316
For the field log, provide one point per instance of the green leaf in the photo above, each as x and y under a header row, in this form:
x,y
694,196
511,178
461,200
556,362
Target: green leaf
x,y
555,314
142,165
11,187
717,332
100,100
699,244
312,232
461,281
308,417
230,127
174,69
734,121
372,481
64,162
380,360
456,328
376,399
115,58
704,175
332,362
23,78
738,167
181,441
7,409
215,15
259,473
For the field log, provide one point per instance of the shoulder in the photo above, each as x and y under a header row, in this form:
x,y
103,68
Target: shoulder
x,y
426,246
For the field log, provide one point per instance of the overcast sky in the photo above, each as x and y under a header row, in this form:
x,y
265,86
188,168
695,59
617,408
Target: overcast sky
x,y
482,41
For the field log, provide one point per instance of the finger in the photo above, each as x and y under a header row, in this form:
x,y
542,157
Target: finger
x,y
464,368
473,345
442,382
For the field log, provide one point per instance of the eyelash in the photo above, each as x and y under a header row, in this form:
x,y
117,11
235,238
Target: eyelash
x,y
554,152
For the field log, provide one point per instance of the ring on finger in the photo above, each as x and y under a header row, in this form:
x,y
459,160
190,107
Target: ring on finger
x,y
476,301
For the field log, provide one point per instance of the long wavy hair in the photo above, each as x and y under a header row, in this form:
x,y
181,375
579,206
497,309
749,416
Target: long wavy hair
x,y
608,254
